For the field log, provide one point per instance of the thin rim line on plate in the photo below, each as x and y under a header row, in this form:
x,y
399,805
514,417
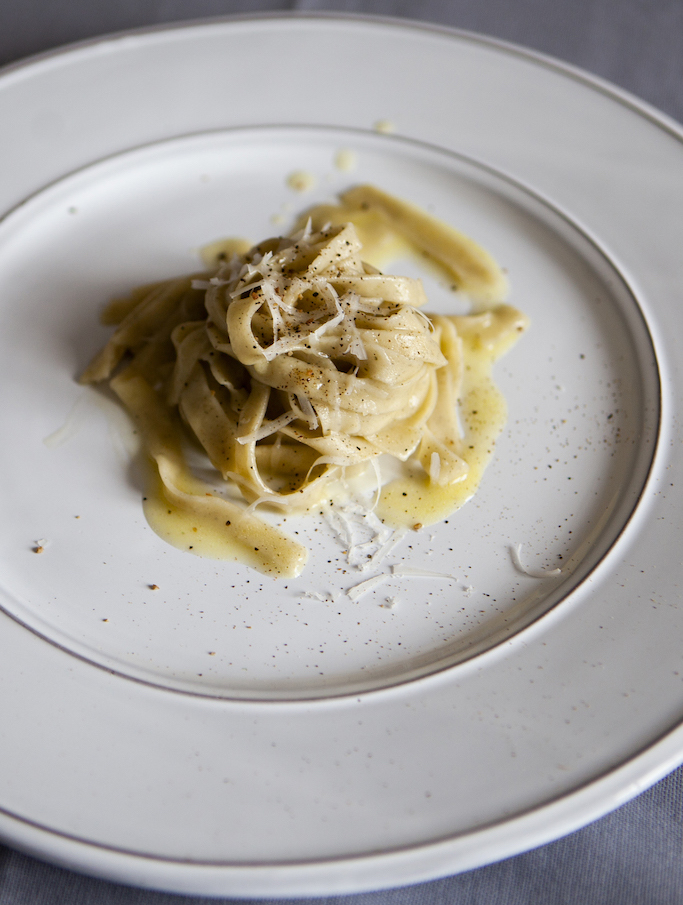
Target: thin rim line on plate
x,y
502,645
621,797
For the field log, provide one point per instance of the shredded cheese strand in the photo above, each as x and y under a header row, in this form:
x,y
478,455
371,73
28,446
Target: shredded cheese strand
x,y
516,554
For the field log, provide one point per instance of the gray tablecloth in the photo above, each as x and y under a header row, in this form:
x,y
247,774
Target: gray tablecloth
x,y
634,855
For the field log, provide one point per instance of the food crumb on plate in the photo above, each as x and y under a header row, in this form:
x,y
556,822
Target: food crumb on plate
x,y
301,181
345,160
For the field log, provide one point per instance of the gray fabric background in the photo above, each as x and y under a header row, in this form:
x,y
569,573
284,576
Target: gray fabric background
x,y
634,855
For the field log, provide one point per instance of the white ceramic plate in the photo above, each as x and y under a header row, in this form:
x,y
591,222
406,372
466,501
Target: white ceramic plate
x,y
226,733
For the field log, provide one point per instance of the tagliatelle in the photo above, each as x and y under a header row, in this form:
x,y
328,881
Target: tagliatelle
x,y
296,365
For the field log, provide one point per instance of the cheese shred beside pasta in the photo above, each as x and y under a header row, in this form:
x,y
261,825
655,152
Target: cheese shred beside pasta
x,y
295,366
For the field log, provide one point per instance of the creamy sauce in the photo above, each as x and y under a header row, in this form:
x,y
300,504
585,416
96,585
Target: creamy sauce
x,y
189,514
204,533
345,160
483,412
185,530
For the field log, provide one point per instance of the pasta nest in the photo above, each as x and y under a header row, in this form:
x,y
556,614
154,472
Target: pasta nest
x,y
316,360
295,362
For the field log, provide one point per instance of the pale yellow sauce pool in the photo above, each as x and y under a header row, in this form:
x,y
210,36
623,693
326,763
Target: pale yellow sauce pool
x,y
212,531
415,500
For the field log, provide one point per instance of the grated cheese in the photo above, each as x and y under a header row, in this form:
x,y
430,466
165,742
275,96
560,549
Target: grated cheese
x,y
317,595
267,428
410,572
516,554
434,467
357,591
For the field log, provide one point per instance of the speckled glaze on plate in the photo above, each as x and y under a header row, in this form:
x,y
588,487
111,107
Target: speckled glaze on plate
x,y
215,731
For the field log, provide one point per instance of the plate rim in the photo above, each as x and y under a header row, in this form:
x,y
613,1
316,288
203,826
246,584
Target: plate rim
x,y
603,85
396,867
